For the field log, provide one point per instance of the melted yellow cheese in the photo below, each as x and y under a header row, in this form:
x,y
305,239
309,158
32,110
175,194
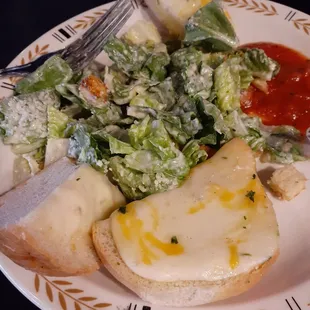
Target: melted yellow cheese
x,y
212,218
197,207
133,230
234,256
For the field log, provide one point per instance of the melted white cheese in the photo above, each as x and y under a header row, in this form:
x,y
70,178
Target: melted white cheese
x,y
220,231
86,196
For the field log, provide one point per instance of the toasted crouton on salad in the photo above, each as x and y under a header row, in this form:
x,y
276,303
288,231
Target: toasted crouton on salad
x,y
287,182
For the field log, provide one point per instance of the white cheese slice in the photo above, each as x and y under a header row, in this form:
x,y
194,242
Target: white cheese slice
x,y
218,224
62,195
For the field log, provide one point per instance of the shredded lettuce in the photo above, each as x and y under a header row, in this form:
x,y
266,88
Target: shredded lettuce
x,y
149,117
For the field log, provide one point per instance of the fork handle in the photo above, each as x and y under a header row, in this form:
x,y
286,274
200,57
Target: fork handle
x,y
22,70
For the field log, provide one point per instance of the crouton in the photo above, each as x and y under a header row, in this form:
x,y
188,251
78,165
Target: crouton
x,y
287,182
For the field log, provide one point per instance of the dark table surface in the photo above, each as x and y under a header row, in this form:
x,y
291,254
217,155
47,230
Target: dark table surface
x,y
21,22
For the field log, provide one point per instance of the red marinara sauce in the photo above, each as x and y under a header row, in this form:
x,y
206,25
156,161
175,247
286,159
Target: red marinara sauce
x,y
288,99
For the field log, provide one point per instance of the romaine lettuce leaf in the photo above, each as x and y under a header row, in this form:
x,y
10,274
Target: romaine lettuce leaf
x,y
128,58
53,72
144,161
25,116
198,80
158,98
211,27
120,147
175,129
144,173
123,93
27,148
139,131
134,184
85,149
116,132
219,125
140,112
259,64
185,57
164,93
147,100
227,84
246,78
157,63
194,153
273,155
213,60
70,92
71,110
110,114
159,141
57,123
285,145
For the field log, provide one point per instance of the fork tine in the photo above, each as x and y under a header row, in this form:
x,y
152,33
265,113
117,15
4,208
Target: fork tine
x,y
107,15
107,23
93,47
87,56
111,28
96,49
92,31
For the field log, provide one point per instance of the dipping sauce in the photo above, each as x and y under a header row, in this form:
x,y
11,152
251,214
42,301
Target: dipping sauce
x,y
288,99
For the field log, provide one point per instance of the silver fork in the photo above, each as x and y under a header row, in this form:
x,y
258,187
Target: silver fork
x,y
85,49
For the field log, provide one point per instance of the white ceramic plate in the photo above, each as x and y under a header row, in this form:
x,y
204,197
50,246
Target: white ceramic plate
x,y
287,285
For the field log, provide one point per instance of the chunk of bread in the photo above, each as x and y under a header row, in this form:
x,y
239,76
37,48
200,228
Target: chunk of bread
x,y
177,293
287,182
45,223
206,215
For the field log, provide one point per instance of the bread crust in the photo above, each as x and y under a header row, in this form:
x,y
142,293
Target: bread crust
x,y
173,294
24,250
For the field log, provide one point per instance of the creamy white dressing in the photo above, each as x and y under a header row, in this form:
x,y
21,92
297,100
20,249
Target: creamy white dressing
x,y
218,236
